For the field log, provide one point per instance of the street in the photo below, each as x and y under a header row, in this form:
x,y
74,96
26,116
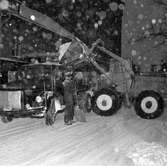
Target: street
x,y
99,141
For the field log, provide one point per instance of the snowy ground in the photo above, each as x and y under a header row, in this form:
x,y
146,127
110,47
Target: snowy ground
x,y
101,141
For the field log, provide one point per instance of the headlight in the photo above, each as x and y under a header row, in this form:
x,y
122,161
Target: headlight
x,y
38,99
28,106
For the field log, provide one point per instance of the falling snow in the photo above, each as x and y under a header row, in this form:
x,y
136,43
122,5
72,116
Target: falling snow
x,y
4,4
144,32
48,1
88,21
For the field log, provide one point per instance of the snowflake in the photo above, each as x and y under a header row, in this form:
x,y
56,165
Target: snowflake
x,y
35,29
4,4
101,14
121,6
1,46
113,6
153,21
48,1
21,38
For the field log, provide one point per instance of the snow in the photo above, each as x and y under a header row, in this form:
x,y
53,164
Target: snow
x,y
143,152
48,1
74,15
144,24
116,140
4,4
113,6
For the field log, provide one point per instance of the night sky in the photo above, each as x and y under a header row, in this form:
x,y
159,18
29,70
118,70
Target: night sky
x,y
87,19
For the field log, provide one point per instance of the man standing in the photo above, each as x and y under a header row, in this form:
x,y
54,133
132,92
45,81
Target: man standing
x,y
68,99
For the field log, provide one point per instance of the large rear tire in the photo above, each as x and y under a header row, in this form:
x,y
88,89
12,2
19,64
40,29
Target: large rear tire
x,y
149,104
105,102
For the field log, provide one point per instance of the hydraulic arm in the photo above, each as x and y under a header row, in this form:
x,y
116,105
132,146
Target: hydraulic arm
x,y
21,11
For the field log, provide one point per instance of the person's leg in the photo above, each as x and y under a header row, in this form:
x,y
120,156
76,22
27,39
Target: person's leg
x,y
68,114
51,113
71,113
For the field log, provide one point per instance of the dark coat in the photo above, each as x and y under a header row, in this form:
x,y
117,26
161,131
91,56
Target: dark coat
x,y
69,93
69,100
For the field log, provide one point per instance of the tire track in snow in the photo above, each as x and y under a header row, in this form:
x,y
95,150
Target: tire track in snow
x,y
20,129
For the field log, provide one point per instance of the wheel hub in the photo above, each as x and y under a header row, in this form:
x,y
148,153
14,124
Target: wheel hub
x,y
104,103
149,104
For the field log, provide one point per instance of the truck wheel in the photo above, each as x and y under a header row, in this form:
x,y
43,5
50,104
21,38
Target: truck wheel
x,y
6,119
105,102
149,104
